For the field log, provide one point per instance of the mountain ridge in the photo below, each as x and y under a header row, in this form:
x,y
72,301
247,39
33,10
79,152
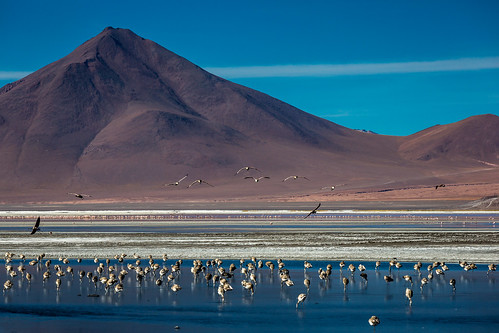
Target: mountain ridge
x,y
121,111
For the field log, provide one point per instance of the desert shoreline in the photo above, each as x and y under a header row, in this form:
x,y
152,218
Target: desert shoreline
x,y
407,235
359,205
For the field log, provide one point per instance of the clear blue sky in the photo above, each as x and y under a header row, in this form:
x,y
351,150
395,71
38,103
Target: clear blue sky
x,y
393,67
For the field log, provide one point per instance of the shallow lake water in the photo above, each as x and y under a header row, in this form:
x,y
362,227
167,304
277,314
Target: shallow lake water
x,y
329,307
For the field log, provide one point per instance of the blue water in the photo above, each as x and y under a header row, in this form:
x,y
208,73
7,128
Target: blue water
x,y
39,306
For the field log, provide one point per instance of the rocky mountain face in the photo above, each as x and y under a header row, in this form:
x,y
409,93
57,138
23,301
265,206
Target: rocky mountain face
x,y
122,114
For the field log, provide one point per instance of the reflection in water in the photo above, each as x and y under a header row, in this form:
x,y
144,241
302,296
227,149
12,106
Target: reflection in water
x,y
273,306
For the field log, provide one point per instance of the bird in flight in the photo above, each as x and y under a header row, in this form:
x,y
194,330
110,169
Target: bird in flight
x,y
199,181
247,168
36,227
80,195
439,185
314,211
328,188
257,179
178,181
294,177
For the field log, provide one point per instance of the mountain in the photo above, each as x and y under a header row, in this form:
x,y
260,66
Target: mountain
x,y
472,139
120,116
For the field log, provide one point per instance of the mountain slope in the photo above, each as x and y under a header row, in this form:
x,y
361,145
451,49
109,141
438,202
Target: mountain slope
x,y
472,139
122,114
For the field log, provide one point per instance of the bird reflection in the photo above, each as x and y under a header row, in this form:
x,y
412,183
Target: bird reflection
x,y
317,284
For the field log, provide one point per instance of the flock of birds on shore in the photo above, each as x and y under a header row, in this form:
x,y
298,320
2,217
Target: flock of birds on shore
x,y
110,274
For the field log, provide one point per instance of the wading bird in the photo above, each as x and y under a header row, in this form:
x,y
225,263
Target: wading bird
x,y
424,281
374,321
313,211
452,282
301,298
80,195
177,182
306,282
176,288
345,283
408,294
36,227
7,285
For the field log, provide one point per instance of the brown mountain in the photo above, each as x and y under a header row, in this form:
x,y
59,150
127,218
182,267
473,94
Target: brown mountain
x,y
120,116
472,139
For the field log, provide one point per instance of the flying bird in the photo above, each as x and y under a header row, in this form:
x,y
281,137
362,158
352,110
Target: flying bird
x,y
36,227
177,182
328,188
247,168
294,177
314,211
257,179
199,181
79,195
439,185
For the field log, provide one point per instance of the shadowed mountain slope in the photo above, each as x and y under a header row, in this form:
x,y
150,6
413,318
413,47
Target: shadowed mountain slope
x,y
121,114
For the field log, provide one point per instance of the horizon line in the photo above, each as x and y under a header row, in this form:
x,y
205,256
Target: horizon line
x,y
331,70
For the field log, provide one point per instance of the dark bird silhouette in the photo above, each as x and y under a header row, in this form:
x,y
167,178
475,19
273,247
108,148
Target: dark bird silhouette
x,y
80,195
36,227
247,168
294,177
257,179
439,185
313,211
177,182
199,181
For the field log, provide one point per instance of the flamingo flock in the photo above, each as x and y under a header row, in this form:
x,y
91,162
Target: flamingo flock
x,y
107,275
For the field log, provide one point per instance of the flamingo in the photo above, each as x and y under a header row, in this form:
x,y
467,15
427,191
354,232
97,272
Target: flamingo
x,y
294,177
328,188
374,321
257,179
36,227
177,182
301,298
199,181
246,168
314,211
80,195
408,294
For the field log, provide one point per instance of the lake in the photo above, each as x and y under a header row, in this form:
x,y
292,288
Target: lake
x,y
329,307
